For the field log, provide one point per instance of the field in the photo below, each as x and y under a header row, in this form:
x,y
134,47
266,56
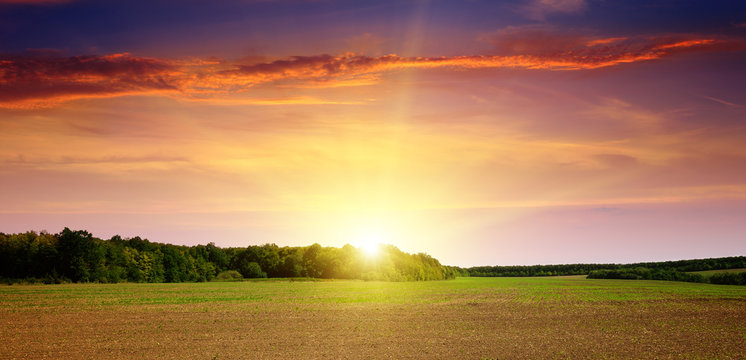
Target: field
x,y
472,318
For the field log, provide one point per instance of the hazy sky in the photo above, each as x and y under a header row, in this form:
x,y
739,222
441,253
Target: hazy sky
x,y
479,132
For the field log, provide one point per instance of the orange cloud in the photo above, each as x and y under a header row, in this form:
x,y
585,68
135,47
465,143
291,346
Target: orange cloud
x,y
587,56
685,44
45,80
605,41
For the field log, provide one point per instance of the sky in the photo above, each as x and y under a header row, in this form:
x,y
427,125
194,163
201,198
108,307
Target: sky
x,y
479,132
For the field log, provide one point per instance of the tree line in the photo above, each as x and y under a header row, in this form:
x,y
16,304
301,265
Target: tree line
x,y
78,256
663,270
733,262
643,273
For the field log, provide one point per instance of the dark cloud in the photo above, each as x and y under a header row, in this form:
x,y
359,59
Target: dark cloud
x,y
35,2
50,77
45,78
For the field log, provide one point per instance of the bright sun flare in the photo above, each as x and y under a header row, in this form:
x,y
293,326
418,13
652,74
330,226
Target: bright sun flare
x,y
370,242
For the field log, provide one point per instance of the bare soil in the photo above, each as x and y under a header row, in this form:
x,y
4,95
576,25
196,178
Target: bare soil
x,y
473,325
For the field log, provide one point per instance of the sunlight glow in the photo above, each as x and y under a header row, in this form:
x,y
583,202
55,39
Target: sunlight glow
x,y
369,241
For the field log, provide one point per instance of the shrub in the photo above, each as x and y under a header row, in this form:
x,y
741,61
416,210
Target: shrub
x,y
728,278
229,275
253,270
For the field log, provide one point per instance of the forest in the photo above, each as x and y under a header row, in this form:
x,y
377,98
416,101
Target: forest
x,y
733,262
664,270
78,256
643,273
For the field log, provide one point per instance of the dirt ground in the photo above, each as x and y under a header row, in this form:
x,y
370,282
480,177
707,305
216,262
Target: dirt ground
x,y
473,324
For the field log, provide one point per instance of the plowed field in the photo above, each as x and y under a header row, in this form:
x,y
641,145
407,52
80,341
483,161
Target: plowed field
x,y
470,318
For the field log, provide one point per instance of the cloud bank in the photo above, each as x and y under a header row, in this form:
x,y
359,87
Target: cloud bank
x,y
39,80
43,80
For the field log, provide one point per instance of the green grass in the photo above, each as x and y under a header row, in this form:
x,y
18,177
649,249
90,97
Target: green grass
x,y
548,317
544,289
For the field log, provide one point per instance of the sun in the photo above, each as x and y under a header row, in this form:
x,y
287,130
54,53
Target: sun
x,y
369,241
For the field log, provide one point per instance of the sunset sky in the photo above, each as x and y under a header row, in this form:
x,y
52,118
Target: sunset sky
x,y
479,132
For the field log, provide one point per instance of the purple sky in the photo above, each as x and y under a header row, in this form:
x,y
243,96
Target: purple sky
x,y
481,132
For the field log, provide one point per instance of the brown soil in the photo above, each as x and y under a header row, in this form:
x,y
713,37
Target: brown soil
x,y
463,328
